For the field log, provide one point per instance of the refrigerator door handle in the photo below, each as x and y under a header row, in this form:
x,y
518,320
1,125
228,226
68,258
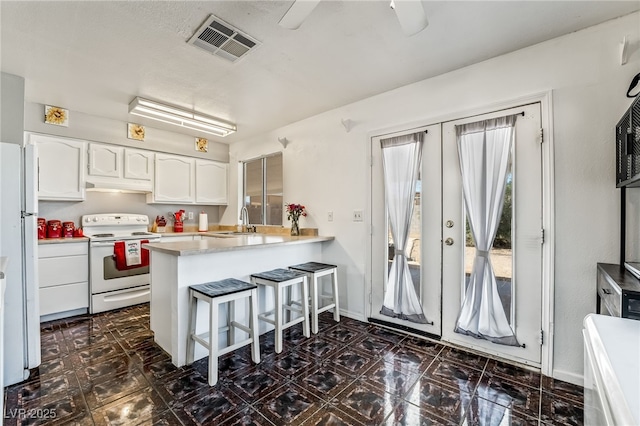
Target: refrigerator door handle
x,y
27,214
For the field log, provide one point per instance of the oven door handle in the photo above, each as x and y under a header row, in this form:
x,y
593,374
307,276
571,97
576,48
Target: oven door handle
x,y
103,244
112,243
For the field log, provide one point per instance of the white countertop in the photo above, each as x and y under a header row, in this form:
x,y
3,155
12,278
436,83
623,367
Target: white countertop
x,y
227,242
616,346
63,240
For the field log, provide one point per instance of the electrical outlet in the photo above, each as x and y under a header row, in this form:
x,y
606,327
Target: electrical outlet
x,y
330,216
190,215
358,216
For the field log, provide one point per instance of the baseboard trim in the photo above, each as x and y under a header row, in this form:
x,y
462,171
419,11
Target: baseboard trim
x,y
352,315
567,376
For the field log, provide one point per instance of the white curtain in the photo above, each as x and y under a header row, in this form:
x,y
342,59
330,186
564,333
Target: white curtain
x,y
401,158
484,150
489,407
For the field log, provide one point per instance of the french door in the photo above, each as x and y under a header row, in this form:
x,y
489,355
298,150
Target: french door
x,y
441,248
423,248
516,255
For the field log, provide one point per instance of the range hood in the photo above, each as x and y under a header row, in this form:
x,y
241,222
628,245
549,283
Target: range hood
x,y
119,185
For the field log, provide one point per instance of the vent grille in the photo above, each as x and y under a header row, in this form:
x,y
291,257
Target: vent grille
x,y
223,40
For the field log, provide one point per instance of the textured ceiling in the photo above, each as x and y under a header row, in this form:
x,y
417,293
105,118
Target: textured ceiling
x,y
96,56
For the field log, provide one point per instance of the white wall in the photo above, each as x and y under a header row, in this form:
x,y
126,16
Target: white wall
x,y
325,167
11,111
115,202
99,129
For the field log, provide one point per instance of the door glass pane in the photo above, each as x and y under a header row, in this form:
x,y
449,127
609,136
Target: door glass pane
x,y
501,254
263,190
414,242
253,190
274,190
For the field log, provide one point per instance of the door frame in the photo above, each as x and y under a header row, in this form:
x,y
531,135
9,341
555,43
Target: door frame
x,y
548,205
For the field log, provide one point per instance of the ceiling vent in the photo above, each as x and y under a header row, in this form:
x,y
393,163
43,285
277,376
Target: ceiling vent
x,y
221,39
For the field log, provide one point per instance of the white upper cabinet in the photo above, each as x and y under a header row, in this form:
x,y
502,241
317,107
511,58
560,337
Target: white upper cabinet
x,y
65,172
105,160
211,182
61,166
138,164
174,180
119,168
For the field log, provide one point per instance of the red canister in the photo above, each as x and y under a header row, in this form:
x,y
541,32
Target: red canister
x,y
42,228
67,229
178,226
54,229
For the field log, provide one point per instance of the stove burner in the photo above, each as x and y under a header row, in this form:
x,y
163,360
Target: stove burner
x,y
141,233
102,235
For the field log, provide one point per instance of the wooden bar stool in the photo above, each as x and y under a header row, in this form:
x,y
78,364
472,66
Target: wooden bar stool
x,y
314,272
216,293
280,279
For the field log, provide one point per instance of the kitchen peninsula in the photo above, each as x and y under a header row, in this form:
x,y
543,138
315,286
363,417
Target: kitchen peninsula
x,y
175,266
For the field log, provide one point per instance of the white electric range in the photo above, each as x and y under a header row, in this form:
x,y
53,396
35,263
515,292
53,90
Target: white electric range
x,y
112,288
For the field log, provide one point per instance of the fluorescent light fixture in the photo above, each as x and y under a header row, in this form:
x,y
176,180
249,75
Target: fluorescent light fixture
x,y
179,117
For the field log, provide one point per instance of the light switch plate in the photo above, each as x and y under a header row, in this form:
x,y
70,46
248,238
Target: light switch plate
x,y
330,216
358,216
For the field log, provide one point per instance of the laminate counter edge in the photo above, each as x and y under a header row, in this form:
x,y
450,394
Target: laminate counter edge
x,y
215,244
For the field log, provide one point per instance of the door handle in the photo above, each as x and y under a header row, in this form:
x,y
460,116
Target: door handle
x,y
449,241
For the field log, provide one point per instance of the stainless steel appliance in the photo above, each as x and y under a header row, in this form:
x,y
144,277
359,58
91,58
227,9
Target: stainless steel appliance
x,y
618,291
18,228
113,288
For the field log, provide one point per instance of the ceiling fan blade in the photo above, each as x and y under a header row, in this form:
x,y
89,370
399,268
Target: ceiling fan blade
x,y
411,15
297,13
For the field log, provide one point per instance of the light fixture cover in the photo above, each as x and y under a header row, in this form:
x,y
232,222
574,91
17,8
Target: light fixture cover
x,y
180,117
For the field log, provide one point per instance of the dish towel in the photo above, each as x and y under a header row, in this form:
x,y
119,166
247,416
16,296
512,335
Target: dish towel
x,y
130,254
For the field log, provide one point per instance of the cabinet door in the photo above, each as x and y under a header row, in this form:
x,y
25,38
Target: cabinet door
x,y
174,179
61,164
211,182
63,271
105,160
138,164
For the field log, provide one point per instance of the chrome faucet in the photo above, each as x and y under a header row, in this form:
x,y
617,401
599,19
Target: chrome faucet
x,y
244,217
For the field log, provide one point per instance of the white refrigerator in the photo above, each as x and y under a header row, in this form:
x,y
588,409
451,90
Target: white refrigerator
x,y
18,241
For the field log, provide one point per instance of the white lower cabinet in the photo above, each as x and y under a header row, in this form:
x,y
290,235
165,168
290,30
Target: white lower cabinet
x,y
63,271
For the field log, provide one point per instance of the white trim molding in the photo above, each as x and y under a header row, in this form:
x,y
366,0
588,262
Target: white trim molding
x,y
548,211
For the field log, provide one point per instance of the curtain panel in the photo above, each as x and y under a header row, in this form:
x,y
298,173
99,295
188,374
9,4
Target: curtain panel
x,y
484,150
401,159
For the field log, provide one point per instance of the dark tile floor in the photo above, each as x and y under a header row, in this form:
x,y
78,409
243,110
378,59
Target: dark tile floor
x,y
106,369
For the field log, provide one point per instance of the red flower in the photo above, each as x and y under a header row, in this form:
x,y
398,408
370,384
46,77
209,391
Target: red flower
x,y
294,211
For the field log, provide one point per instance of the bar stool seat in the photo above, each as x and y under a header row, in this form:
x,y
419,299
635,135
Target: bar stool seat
x,y
284,279
314,271
216,293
